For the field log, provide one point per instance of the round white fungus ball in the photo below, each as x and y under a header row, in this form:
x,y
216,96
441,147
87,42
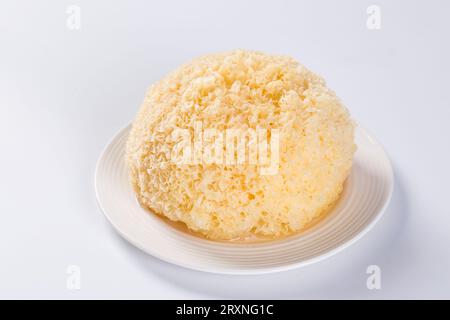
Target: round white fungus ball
x,y
241,91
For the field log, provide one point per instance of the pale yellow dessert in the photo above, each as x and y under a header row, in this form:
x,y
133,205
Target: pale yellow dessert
x,y
242,90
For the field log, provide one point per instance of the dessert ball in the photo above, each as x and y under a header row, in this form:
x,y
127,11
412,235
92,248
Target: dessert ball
x,y
240,144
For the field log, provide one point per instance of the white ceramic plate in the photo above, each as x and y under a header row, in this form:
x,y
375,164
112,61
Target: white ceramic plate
x,y
366,194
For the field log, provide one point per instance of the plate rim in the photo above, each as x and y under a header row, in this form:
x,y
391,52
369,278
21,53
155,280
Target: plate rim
x,y
256,271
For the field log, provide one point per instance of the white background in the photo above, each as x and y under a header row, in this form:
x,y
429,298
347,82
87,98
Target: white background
x,y
64,93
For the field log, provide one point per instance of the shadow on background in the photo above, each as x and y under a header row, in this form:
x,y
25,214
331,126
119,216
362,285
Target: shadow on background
x,y
340,276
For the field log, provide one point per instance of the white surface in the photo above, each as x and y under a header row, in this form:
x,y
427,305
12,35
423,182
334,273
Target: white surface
x,y
362,203
64,93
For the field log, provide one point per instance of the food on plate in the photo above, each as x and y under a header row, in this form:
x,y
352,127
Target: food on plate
x,y
183,151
